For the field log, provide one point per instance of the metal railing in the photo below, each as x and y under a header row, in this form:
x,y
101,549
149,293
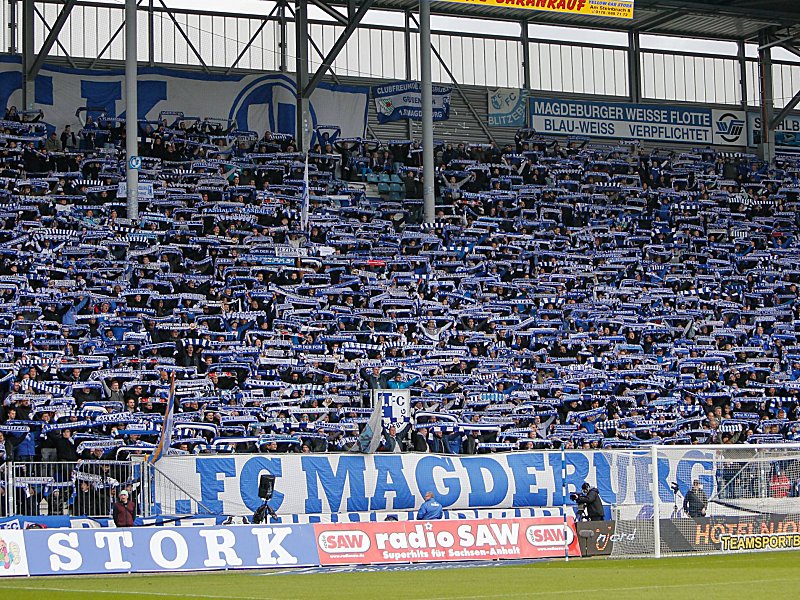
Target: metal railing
x,y
85,488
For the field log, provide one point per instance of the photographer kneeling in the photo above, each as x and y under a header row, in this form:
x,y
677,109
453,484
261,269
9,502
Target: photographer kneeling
x,y
589,501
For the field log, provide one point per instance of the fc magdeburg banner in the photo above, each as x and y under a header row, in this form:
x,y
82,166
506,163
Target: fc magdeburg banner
x,y
645,122
257,102
403,100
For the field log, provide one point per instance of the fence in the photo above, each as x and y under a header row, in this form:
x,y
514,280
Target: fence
x,y
85,488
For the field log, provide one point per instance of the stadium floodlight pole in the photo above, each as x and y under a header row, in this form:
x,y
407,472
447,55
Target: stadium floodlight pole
x,y
131,111
429,199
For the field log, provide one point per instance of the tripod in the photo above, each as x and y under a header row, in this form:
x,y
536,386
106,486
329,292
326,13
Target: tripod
x,y
677,511
262,511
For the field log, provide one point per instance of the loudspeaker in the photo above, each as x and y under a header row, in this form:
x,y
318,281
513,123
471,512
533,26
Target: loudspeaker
x,y
266,486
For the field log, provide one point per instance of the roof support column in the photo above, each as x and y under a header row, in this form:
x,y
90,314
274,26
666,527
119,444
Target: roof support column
x,y
28,55
131,111
741,57
428,196
634,68
526,68
303,129
766,102
407,45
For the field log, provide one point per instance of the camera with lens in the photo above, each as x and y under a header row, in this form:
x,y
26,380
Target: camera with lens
x,y
573,497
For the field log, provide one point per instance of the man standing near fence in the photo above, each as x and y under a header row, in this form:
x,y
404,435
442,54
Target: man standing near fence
x,y
124,510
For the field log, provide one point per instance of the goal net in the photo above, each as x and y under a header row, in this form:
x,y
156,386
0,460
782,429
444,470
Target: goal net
x,y
712,499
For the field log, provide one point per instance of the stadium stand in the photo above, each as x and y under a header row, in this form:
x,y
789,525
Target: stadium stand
x,y
569,296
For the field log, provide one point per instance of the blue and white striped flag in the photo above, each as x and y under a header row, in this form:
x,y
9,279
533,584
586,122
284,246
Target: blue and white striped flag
x,y
165,439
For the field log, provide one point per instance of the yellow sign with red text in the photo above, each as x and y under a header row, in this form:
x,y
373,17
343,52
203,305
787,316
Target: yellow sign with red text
x,y
620,9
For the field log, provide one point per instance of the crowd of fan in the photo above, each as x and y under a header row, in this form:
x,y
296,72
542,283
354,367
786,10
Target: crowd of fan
x,y
568,296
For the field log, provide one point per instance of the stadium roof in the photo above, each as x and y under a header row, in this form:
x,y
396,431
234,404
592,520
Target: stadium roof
x,y
712,19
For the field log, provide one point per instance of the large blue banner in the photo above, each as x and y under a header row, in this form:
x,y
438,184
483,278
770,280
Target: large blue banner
x,y
322,484
403,100
255,102
136,550
645,122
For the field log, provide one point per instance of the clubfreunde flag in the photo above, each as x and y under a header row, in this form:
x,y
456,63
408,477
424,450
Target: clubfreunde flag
x,y
403,100
165,439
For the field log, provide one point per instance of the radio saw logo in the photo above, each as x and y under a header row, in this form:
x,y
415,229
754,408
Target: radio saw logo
x,y
550,536
344,542
10,554
730,127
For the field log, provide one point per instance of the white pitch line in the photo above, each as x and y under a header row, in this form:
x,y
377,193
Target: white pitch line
x,y
640,588
134,593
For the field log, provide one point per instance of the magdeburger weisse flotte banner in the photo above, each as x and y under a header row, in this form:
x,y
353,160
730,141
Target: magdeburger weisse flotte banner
x,y
444,541
646,122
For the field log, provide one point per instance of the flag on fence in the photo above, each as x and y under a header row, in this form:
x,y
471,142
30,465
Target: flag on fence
x,y
165,439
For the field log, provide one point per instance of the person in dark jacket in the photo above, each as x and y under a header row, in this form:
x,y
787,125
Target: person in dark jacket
x,y
590,500
124,510
87,502
696,501
65,447
376,379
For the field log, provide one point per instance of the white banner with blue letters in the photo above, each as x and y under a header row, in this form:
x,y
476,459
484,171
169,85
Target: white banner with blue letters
x,y
645,122
325,483
256,102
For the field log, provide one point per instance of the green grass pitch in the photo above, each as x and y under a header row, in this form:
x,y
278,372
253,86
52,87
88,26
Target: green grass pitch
x,y
752,576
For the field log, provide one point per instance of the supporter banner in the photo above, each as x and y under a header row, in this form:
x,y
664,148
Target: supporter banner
x,y
137,550
646,122
787,133
321,484
403,100
396,406
13,557
145,190
439,541
621,9
507,107
255,102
